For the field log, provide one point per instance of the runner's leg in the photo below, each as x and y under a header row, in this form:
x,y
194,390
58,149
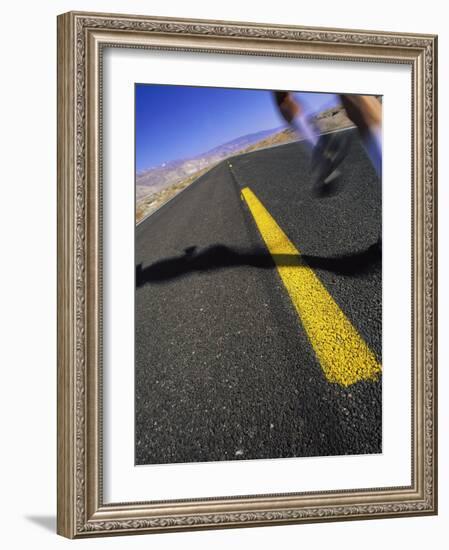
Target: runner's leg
x,y
366,113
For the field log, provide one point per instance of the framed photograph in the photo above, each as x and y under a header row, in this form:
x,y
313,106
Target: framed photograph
x,y
246,274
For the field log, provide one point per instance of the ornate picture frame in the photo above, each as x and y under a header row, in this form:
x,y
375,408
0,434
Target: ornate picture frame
x,y
82,38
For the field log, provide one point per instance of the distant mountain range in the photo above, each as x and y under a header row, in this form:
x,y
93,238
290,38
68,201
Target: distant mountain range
x,y
155,179
157,185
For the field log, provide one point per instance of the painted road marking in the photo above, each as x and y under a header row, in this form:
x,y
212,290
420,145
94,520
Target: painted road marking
x,y
343,354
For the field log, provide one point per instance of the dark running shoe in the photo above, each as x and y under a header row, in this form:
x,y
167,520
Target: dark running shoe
x,y
327,155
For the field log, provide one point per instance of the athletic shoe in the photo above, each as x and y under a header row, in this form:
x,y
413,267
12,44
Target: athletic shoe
x,y
327,155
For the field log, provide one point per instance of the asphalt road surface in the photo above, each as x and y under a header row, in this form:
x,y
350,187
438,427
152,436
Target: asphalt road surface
x,y
235,337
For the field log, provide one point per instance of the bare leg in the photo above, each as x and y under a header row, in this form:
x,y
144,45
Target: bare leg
x,y
327,151
366,113
292,112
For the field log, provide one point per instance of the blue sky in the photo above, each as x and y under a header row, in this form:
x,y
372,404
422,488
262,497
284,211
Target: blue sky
x,y
174,122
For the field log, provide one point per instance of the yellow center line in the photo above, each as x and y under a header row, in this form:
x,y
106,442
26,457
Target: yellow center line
x,y
343,354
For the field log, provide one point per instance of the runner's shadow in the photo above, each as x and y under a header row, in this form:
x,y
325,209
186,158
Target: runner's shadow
x,y
219,256
359,263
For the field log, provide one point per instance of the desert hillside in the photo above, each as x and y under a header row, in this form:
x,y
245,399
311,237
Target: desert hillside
x,y
157,185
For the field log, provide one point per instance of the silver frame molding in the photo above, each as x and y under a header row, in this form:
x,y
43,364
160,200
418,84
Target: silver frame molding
x,y
81,37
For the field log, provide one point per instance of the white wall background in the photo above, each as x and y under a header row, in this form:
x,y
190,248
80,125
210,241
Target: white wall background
x,y
28,274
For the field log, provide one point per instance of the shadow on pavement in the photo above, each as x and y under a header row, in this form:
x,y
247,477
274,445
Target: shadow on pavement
x,y
220,257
